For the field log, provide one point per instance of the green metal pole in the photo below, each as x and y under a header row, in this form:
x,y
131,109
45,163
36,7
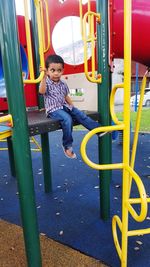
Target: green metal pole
x,y
44,137
103,106
11,156
10,52
35,48
46,163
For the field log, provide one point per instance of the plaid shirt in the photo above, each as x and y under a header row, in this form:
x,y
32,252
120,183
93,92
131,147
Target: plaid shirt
x,y
54,97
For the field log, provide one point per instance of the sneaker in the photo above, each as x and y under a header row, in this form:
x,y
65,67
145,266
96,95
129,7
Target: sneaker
x,y
103,133
69,153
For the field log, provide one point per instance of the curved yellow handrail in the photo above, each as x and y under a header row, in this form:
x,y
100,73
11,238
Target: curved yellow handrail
x,y
46,47
137,125
116,220
28,38
143,199
90,38
81,14
128,172
112,101
29,44
85,141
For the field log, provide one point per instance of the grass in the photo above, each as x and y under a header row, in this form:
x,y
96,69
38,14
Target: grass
x,y
145,120
144,124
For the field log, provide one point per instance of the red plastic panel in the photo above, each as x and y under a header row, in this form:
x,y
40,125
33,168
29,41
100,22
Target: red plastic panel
x,y
29,90
58,11
140,30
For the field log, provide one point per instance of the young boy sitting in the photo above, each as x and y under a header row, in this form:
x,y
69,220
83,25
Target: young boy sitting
x,y
59,105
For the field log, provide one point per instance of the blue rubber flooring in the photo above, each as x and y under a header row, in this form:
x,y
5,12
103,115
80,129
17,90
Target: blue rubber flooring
x,y
71,213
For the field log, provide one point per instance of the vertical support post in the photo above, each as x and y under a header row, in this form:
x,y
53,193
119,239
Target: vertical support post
x,y
44,137
103,106
46,162
11,60
136,86
34,32
126,131
11,156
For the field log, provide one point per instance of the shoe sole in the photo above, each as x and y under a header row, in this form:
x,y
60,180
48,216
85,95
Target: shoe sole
x,y
75,157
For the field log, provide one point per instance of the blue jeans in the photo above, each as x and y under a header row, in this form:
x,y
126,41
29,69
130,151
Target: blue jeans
x,y
66,117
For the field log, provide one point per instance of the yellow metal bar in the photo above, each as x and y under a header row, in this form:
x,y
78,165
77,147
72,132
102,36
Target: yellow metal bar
x,y
4,141
137,126
81,17
35,80
41,49
42,23
48,27
137,200
85,141
112,101
38,149
29,43
89,5
126,131
5,134
90,38
28,38
6,119
126,165
46,47
89,18
92,44
139,232
116,221
143,200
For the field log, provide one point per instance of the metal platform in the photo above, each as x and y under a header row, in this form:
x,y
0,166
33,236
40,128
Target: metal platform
x,y
39,124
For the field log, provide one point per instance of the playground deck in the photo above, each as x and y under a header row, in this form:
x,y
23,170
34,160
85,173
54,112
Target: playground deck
x,y
71,213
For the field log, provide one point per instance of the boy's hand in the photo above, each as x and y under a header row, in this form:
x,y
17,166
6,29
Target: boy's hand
x,y
43,69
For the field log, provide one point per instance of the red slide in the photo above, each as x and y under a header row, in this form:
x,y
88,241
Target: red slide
x,y
140,30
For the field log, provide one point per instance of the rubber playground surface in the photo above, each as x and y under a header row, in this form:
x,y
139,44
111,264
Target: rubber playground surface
x,y
71,213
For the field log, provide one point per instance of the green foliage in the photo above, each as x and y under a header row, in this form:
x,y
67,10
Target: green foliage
x,y
145,119
144,124
77,94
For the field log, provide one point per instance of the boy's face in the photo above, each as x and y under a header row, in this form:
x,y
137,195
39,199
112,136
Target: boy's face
x,y
54,71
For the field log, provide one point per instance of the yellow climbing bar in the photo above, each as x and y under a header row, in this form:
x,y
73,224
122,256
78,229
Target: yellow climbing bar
x,y
46,14
29,43
89,37
127,164
84,145
137,126
112,101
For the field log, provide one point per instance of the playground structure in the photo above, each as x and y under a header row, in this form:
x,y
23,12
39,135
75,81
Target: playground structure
x,y
20,134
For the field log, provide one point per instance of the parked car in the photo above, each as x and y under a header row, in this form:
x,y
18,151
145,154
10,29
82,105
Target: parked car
x,y
146,100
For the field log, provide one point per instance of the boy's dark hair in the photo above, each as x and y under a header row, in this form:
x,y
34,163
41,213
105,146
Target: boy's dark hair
x,y
54,59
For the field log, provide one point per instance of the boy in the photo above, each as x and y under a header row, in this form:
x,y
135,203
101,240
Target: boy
x,y
58,103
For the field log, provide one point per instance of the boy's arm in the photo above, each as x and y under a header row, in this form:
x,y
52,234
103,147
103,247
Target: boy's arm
x,y
42,87
68,100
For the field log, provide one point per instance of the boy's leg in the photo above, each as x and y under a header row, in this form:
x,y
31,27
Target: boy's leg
x,y
66,124
83,119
